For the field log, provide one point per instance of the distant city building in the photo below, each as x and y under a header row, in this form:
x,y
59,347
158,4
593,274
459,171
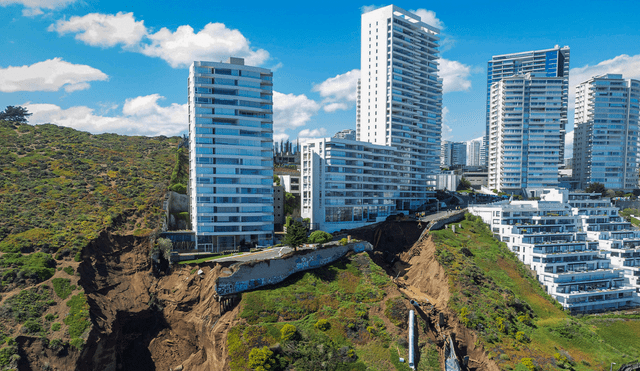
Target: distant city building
x,y
447,181
552,62
289,179
454,154
286,154
349,134
475,152
569,240
400,100
525,133
605,142
478,178
231,158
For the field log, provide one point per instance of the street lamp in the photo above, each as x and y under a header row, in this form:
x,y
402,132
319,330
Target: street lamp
x,y
612,363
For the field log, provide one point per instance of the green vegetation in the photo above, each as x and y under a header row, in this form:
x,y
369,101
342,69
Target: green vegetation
x,y
517,322
627,214
180,173
296,235
18,268
68,270
62,287
320,237
319,319
15,114
596,188
27,305
55,326
464,184
78,318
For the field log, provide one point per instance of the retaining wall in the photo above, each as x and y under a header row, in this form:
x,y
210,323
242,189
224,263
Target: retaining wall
x,y
251,275
455,217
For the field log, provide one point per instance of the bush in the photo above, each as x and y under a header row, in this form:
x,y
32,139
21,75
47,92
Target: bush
x,y
261,359
179,188
32,326
50,317
78,318
288,332
55,344
528,363
68,270
320,237
344,242
522,337
62,287
323,325
56,326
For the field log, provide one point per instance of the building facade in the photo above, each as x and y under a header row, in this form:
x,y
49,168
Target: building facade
x,y
400,94
552,62
231,154
605,142
453,154
559,238
348,184
474,152
525,133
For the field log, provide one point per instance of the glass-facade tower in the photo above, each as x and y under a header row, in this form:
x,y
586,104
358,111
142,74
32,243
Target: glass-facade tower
x,y
606,132
230,154
548,62
400,96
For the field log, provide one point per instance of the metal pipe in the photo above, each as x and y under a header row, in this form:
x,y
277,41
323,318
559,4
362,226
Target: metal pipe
x,y
411,339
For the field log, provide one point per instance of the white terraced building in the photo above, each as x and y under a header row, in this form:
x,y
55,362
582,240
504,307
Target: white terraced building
x,y
230,154
557,238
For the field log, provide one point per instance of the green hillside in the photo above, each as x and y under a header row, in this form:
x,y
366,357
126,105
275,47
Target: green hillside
x,y
518,323
59,189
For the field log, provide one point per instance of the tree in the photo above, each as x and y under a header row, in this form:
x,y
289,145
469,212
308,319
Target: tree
x,y
320,237
15,114
276,179
596,188
296,235
464,184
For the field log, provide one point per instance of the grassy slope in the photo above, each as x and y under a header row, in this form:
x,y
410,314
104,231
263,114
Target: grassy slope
x,y
345,294
496,288
59,188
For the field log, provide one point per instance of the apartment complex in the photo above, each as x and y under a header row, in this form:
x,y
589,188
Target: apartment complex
x,y
605,142
400,94
525,132
348,184
561,237
475,152
231,154
453,154
552,62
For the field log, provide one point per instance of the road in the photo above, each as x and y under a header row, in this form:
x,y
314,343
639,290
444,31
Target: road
x,y
273,253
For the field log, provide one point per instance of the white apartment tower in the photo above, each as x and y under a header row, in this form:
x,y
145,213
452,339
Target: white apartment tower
x,y
400,95
525,132
230,154
605,142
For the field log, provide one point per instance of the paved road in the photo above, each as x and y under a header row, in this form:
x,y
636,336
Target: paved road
x,y
273,253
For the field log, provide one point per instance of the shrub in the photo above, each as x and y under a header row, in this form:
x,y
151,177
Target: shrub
x,y
32,326
50,317
344,242
528,363
179,188
78,318
77,343
28,304
463,316
320,237
288,332
68,270
62,287
261,359
55,344
323,325
56,326
522,337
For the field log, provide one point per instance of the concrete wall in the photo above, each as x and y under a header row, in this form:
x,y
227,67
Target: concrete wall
x,y
456,216
251,275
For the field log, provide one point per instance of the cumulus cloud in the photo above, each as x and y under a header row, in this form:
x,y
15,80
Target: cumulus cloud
x,y
34,7
447,132
568,144
307,134
455,76
50,75
291,111
628,66
140,116
332,107
179,48
369,8
428,17
104,30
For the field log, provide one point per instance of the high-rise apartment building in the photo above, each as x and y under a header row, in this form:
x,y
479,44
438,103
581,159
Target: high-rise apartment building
x,y
552,62
605,142
231,154
400,94
454,153
474,152
525,132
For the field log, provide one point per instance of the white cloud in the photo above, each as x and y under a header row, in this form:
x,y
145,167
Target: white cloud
x,y
340,87
307,134
332,107
105,30
447,132
628,66
49,75
291,111
428,17
369,8
568,144
215,42
34,7
140,116
455,76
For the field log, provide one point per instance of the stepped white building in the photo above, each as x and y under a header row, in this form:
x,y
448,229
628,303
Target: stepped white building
x,y
230,154
562,238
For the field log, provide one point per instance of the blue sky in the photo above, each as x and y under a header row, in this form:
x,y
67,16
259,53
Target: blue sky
x,y
122,66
